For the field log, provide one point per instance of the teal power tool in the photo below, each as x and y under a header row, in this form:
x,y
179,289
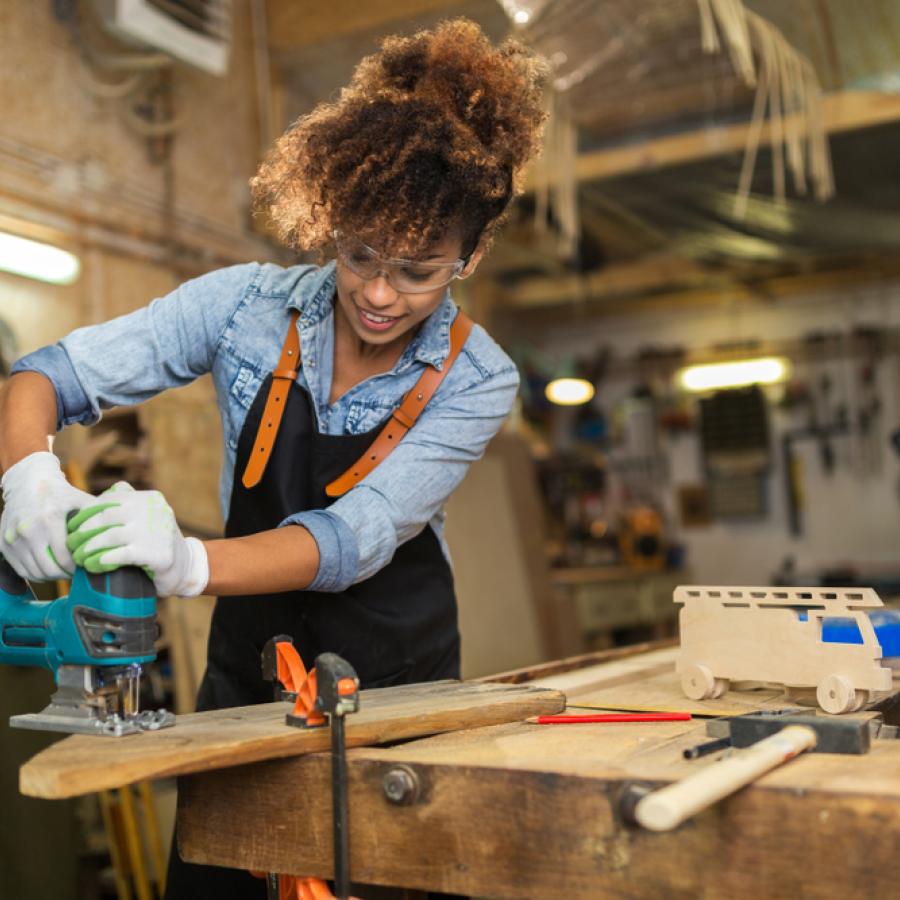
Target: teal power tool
x,y
95,641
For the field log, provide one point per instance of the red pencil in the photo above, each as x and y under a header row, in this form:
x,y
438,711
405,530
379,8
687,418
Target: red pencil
x,y
611,717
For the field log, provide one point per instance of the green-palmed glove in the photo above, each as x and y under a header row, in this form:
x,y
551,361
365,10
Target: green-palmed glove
x,y
125,527
36,499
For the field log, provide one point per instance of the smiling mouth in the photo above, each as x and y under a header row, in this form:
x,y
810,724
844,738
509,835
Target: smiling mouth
x,y
374,317
376,322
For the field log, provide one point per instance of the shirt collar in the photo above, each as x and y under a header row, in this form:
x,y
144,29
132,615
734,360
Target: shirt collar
x,y
431,345
314,296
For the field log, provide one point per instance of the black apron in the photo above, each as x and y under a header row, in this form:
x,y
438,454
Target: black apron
x,y
397,627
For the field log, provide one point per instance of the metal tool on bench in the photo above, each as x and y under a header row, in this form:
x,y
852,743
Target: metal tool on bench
x,y
766,740
331,689
95,641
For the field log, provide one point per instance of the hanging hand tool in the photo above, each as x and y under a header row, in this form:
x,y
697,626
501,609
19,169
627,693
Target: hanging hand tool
x,y
95,641
331,689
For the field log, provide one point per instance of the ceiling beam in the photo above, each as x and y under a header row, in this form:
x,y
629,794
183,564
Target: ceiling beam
x,y
293,25
843,111
621,279
762,291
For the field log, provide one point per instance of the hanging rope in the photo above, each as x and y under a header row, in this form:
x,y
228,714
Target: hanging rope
x,y
556,189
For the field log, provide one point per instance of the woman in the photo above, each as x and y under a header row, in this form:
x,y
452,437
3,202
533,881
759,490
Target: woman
x,y
353,396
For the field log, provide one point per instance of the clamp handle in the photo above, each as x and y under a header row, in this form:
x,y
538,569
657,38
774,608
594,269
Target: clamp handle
x,y
282,664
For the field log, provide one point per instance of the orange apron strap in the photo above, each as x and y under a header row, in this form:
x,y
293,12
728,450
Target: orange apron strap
x,y
404,417
282,376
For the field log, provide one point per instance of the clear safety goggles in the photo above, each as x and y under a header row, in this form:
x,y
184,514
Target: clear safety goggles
x,y
406,276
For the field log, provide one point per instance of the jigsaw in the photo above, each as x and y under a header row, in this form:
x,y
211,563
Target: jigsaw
x,y
95,641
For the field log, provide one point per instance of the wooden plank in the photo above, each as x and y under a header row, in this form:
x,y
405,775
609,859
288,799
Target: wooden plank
x,y
525,811
82,764
649,682
560,666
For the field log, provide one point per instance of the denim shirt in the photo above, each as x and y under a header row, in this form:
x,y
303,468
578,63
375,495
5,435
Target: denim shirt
x,y
232,323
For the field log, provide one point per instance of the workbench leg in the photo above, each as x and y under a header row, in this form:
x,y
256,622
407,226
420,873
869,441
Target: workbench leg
x,y
134,845
123,890
151,826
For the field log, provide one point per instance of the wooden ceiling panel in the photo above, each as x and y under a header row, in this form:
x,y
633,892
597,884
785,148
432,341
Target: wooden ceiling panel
x,y
295,24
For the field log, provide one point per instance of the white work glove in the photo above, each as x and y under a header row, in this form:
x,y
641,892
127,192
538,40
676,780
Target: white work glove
x,y
125,527
36,500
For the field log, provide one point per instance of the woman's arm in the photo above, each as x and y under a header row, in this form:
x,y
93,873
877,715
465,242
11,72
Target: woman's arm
x,y
27,417
127,360
282,559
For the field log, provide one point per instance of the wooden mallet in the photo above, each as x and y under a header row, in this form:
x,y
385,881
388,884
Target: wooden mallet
x,y
769,742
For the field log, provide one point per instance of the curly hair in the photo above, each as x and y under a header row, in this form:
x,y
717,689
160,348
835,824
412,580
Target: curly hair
x,y
430,138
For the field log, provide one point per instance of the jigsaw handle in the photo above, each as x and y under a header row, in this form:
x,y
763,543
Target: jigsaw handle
x,y
107,619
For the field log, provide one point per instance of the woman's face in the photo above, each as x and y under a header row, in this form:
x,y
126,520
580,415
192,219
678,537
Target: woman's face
x,y
378,313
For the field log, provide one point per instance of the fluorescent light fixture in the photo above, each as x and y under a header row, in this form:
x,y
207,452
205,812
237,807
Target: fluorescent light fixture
x,y
569,391
522,16
740,373
33,259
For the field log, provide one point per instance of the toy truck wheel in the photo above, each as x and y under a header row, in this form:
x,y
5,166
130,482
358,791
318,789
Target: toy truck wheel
x,y
862,698
698,683
720,688
836,695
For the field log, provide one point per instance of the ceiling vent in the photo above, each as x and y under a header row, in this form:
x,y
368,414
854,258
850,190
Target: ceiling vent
x,y
196,32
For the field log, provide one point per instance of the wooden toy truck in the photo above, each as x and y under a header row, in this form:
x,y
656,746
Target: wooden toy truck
x,y
767,634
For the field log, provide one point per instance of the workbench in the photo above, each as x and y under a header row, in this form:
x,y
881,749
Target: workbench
x,y
520,810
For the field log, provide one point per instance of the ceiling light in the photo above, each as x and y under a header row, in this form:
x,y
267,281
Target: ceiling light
x,y
33,259
740,373
569,391
521,16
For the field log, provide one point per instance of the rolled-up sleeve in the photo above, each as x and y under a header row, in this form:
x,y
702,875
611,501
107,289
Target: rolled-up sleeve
x,y
127,360
338,549
53,363
399,498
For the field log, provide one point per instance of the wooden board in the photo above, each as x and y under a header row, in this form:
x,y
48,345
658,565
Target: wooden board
x,y
201,741
649,682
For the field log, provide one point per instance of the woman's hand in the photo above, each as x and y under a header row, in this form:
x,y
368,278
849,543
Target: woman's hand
x,y
37,498
138,528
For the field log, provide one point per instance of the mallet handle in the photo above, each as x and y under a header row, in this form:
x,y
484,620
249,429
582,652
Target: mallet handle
x,y
668,807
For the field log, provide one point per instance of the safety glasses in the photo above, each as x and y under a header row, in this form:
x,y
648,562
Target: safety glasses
x,y
407,276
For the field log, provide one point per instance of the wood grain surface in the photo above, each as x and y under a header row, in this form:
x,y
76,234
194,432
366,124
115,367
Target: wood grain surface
x,y
528,811
81,764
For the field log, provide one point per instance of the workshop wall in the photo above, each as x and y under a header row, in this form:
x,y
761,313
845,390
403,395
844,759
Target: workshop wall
x,y
141,215
64,148
852,514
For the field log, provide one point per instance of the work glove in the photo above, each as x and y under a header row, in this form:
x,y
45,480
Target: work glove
x,y
125,527
36,500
